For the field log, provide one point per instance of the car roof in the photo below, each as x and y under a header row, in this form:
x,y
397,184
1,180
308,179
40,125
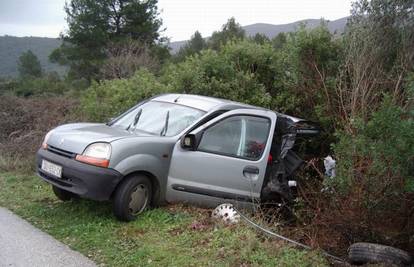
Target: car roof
x,y
207,103
204,103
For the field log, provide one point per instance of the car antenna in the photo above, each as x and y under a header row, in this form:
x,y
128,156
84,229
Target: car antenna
x,y
176,100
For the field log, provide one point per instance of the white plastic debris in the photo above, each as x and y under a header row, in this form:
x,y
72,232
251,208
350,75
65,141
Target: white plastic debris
x,y
329,164
226,213
292,183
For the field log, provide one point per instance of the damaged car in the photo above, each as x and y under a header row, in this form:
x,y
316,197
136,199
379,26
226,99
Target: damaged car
x,y
176,148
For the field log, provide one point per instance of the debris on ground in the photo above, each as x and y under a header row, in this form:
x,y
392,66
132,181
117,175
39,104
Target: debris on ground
x,y
226,213
330,165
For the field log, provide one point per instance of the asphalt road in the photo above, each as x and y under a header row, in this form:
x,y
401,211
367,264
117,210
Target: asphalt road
x,y
23,245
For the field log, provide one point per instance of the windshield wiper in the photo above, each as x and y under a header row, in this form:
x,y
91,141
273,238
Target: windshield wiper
x,y
165,128
136,119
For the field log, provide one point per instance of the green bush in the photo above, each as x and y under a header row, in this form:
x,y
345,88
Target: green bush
x,y
241,70
48,84
251,57
7,86
308,64
305,72
378,157
107,99
218,74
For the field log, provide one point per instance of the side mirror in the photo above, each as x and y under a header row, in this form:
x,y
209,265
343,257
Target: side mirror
x,y
189,142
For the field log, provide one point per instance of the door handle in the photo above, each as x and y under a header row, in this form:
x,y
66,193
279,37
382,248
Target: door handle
x,y
251,173
251,170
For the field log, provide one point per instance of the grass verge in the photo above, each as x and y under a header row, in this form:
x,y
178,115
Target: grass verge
x,y
167,236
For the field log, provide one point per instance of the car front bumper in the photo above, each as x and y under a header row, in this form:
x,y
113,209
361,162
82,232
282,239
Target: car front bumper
x,y
85,180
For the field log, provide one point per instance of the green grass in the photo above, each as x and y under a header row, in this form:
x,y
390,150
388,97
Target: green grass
x,y
167,236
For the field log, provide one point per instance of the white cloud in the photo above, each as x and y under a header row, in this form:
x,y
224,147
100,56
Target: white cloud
x,y
181,17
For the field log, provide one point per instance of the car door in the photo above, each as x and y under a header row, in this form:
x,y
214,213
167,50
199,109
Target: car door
x,y
228,162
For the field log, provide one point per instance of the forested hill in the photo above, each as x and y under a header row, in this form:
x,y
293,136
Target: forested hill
x,y
12,47
271,30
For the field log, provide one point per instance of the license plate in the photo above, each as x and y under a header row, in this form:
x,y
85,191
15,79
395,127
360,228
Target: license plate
x,y
52,168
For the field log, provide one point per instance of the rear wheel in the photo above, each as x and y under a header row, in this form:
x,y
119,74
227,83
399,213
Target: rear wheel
x,y
63,194
132,197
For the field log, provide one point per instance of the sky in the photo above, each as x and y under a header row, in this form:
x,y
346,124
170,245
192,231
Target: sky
x,y
181,18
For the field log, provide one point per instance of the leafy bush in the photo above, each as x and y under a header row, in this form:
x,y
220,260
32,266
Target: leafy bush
x,y
380,154
219,74
109,98
7,86
305,70
308,65
373,193
48,84
241,70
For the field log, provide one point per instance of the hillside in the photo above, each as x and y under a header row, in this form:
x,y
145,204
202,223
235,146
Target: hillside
x,y
12,47
271,30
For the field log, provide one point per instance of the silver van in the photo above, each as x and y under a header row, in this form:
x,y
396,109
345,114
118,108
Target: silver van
x,y
175,148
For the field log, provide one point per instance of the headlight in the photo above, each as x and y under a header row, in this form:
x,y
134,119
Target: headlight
x,y
98,150
44,144
97,154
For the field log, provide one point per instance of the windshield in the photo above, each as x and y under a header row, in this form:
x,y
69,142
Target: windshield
x,y
159,118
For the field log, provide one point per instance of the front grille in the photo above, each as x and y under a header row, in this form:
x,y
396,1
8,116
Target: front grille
x,y
61,152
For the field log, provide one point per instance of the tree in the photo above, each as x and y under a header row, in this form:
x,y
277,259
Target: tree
x,y
29,65
93,24
378,57
193,46
279,40
230,31
260,38
196,43
124,59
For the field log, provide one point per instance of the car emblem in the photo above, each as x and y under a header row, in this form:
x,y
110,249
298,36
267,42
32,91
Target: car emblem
x,y
61,141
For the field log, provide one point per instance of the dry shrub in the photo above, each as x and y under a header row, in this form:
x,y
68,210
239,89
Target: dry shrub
x,y
24,123
333,221
372,197
124,59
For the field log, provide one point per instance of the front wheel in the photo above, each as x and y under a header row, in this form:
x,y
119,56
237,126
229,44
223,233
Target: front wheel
x,y
132,197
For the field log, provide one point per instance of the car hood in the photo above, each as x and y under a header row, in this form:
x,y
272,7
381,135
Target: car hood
x,y
76,137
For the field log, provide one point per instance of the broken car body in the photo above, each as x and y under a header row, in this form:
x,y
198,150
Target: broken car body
x,y
175,148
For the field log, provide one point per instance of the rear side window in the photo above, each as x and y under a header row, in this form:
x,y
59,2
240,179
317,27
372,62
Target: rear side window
x,y
237,136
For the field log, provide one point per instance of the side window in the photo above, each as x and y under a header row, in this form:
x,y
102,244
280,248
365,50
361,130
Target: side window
x,y
237,136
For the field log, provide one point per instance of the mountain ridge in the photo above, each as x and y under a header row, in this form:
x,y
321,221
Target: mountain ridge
x,y
12,47
271,30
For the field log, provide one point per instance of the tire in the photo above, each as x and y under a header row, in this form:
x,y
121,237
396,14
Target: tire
x,y
361,253
63,194
132,197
